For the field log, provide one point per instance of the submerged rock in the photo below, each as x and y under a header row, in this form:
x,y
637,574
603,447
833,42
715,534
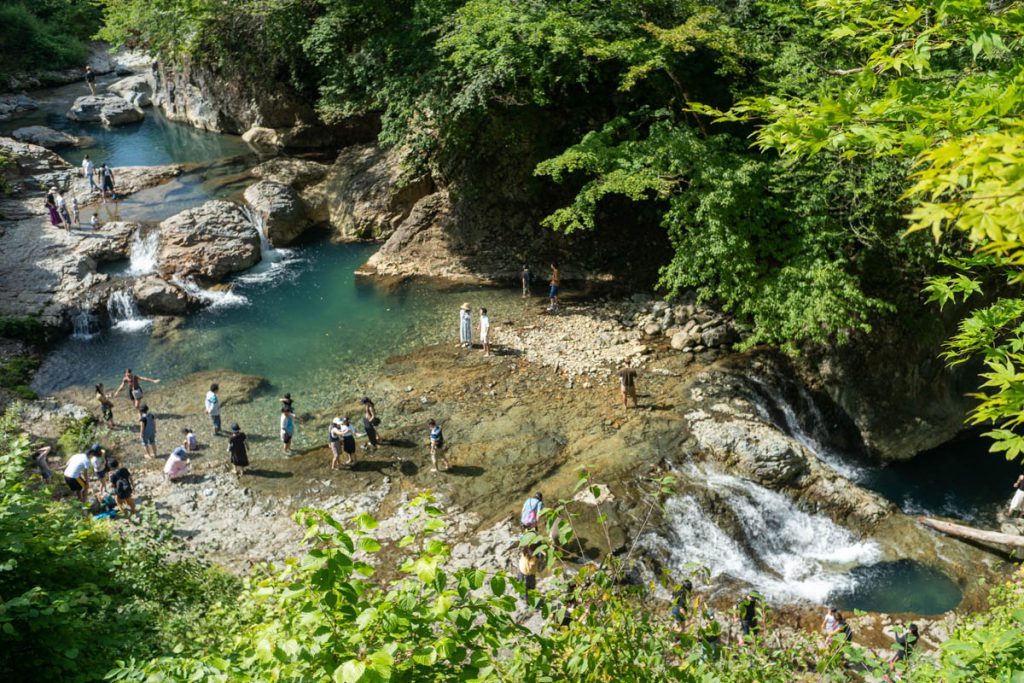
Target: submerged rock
x,y
45,137
208,242
283,212
108,109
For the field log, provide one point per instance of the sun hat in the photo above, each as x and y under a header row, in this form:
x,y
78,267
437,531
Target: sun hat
x,y
337,421
465,306
235,427
179,451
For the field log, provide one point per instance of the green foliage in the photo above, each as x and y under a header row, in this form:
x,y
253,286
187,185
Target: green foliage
x,y
76,595
76,434
24,329
42,35
16,373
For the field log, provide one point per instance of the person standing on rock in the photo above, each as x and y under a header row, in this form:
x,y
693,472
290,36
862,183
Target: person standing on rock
x,y
132,381
746,614
530,516
62,211
124,490
51,207
1017,502
107,182
89,173
334,442
530,565
76,475
348,440
370,422
76,213
106,406
287,427
147,431
524,278
100,465
627,384
90,79
553,286
238,450
437,446
213,408
485,328
465,326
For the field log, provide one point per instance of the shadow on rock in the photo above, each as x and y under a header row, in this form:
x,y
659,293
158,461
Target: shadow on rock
x,y
269,474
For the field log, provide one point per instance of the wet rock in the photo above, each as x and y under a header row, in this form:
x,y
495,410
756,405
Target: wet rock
x,y
12,106
108,109
208,242
283,212
758,450
137,90
44,137
366,195
264,138
159,297
715,336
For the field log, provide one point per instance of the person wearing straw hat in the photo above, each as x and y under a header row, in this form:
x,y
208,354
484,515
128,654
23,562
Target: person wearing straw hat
x,y
465,326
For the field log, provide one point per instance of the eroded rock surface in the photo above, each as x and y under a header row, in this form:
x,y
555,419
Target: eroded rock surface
x,y
108,109
282,210
136,89
208,242
44,137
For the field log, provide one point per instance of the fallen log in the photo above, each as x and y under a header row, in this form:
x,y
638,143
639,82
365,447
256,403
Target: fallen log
x,y
970,533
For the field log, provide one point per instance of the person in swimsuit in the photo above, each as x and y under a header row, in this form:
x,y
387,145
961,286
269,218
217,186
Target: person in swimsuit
x,y
627,384
106,406
132,381
553,285
147,431
370,422
238,450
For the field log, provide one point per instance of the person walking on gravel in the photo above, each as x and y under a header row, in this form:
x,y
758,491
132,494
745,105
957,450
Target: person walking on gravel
x,y
437,446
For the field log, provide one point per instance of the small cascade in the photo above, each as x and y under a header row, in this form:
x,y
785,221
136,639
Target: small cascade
x,y
222,298
143,253
124,313
809,428
770,543
84,324
273,262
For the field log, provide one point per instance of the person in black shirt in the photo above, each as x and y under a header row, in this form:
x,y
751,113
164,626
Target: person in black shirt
x,y
237,449
746,614
124,488
905,643
681,602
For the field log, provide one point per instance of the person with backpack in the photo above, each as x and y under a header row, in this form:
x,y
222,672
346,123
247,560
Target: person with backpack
x,y
124,490
746,614
530,565
530,516
437,446
904,645
147,431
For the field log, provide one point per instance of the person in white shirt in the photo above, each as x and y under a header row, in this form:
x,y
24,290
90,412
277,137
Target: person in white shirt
x,y
177,465
485,328
89,171
62,211
76,475
213,408
98,460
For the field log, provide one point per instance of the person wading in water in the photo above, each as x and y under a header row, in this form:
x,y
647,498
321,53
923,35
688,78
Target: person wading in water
x,y
131,380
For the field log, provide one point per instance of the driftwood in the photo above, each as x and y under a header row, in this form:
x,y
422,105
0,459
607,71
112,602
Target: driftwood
x,y
970,533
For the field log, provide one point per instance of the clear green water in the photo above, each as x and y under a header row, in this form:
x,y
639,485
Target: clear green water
x,y
900,586
150,142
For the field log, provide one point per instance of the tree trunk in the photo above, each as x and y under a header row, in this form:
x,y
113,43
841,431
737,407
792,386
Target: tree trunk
x,y
961,531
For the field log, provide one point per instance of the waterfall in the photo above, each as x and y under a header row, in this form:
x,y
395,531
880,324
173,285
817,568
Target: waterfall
x,y
143,253
809,429
84,324
273,262
775,547
223,298
124,313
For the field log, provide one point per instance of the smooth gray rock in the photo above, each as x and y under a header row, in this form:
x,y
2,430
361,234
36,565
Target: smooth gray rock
x,y
282,210
137,90
44,137
15,105
108,109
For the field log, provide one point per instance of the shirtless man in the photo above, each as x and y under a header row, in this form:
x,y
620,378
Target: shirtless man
x,y
131,380
627,384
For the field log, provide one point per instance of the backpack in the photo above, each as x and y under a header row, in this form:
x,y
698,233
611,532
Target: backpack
x,y
123,488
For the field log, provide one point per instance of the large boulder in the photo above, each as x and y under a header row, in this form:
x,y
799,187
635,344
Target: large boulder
x,y
366,195
137,90
159,297
30,159
297,174
281,209
208,242
758,450
264,138
44,137
108,109
15,105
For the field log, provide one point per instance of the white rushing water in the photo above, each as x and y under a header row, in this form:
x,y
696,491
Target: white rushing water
x,y
779,550
274,263
124,313
769,402
213,298
84,324
143,253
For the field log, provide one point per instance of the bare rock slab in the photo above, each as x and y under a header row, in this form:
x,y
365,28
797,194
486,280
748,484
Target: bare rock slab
x,y
137,90
108,109
44,137
208,242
